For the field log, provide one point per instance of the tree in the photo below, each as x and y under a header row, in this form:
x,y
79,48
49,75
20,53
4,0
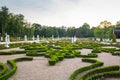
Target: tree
x,y
38,29
110,32
78,33
113,37
4,19
61,32
118,23
71,31
85,30
99,33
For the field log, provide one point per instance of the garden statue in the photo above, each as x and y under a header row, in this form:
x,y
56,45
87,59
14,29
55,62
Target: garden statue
x,y
25,38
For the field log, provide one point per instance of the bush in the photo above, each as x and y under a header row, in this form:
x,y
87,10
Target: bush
x,y
109,50
6,53
14,67
90,55
4,68
105,74
23,59
96,50
113,38
116,53
11,72
80,70
12,52
53,60
99,70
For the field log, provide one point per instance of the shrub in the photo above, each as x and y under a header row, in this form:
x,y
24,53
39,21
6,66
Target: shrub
x,y
99,70
116,53
12,52
11,72
113,38
53,60
90,55
14,67
105,74
6,53
80,70
96,50
4,68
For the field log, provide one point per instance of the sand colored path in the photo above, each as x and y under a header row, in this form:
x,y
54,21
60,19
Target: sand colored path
x,y
38,69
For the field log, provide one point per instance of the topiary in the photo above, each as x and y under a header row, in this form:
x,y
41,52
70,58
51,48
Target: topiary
x,y
113,37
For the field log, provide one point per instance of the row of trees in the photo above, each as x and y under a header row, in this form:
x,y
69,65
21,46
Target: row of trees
x,y
47,31
16,26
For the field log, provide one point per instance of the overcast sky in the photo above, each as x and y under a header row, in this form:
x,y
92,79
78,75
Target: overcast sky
x,y
65,12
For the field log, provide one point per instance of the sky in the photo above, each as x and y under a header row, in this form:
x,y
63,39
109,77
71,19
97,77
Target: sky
x,y
65,12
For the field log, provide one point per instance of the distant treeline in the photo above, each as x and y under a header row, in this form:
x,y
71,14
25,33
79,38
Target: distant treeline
x,y
16,26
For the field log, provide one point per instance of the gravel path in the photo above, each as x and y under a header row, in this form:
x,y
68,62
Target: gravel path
x,y
38,69
11,49
108,59
85,51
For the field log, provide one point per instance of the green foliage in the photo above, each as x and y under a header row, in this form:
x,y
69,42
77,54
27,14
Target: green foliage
x,y
97,50
99,70
4,68
90,55
113,38
12,52
99,33
117,53
105,74
14,67
80,70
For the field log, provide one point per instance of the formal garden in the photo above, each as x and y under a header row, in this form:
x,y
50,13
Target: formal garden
x,y
60,60
36,51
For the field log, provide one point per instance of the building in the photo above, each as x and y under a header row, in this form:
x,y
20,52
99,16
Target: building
x,y
117,31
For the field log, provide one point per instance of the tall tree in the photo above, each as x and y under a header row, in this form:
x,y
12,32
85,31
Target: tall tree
x,y
85,30
71,31
99,33
4,19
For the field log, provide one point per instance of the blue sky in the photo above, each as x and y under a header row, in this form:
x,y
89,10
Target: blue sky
x,y
65,12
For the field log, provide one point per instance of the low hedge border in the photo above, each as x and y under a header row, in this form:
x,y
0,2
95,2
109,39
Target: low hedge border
x,y
11,72
4,68
37,54
14,67
80,70
12,52
34,53
90,55
116,53
99,70
115,74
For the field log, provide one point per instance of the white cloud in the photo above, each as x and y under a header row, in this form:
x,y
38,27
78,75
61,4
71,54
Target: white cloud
x,y
66,12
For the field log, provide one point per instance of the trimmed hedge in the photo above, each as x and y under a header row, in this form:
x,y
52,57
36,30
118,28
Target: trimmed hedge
x,y
23,59
12,52
97,50
116,53
90,55
11,72
4,68
35,52
80,70
54,59
99,70
14,67
115,74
